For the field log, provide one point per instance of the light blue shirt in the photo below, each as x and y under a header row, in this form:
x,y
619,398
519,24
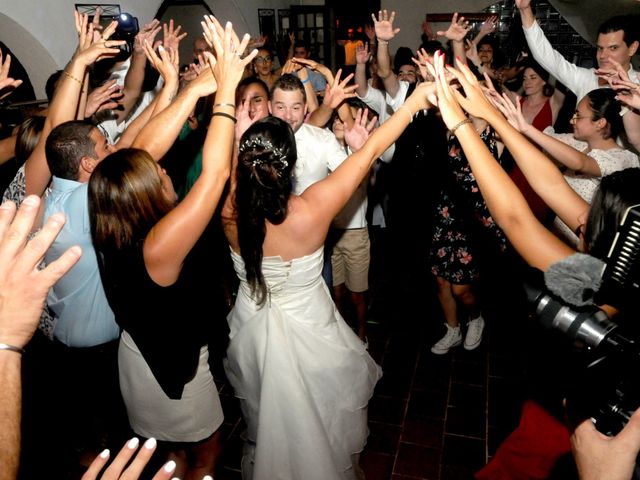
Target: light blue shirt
x,y
78,299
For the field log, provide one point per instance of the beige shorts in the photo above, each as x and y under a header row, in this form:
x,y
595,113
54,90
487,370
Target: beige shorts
x,y
350,260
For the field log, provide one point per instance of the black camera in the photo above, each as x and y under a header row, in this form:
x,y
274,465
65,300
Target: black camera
x,y
126,30
607,389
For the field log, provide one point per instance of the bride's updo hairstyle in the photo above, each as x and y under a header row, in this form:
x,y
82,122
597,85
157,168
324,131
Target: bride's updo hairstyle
x,y
266,157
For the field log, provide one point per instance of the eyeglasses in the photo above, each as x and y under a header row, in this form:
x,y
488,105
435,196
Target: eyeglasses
x,y
576,116
262,59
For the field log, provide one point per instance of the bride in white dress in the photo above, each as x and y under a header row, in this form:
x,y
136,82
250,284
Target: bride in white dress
x,y
303,377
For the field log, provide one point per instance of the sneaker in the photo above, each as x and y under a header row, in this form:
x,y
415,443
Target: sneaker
x,y
474,333
451,339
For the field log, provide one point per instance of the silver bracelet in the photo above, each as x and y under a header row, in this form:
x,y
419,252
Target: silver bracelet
x,y
11,348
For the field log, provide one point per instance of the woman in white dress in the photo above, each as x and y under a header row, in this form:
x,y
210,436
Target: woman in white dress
x,y
303,377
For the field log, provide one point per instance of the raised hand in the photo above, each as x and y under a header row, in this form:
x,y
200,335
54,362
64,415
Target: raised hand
x,y
5,80
166,62
513,113
628,92
383,25
23,288
472,52
457,30
489,25
117,471
362,53
290,67
450,109
244,119
338,91
356,136
104,97
522,4
421,62
426,29
146,34
315,66
172,36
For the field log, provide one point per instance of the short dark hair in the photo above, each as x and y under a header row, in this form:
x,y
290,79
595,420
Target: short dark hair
x,y
65,147
288,83
431,46
301,44
624,23
402,57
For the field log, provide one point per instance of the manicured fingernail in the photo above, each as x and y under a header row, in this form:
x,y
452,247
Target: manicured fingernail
x,y
151,443
104,453
30,201
6,205
161,48
133,443
170,466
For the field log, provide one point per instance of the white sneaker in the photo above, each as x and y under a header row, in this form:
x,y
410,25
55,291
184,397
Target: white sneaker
x,y
451,339
474,333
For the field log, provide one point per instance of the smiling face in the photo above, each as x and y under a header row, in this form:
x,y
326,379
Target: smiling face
x,y
263,62
485,53
611,46
584,127
290,106
532,82
408,73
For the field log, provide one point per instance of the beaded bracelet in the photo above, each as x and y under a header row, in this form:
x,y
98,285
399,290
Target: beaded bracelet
x,y
68,75
226,115
459,124
11,348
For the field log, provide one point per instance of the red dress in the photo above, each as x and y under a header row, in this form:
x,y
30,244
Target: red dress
x,y
543,119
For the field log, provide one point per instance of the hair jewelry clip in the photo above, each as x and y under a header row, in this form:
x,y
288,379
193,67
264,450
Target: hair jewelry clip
x,y
266,145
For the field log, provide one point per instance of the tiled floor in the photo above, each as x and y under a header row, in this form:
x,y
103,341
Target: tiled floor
x,y
431,417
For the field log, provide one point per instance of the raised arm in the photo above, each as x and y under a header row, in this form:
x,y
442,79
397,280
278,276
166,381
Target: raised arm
x,y
171,239
159,134
23,290
487,27
563,153
65,101
538,246
384,34
456,32
336,92
167,64
333,192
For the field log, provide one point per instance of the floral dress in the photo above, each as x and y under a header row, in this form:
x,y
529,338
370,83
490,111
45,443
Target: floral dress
x,y
462,219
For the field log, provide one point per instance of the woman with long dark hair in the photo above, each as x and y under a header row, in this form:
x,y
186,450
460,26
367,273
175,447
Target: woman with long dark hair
x,y
144,243
303,377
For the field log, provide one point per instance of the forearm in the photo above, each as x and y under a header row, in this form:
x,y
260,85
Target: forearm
x,y
507,205
320,116
361,80
132,84
389,79
543,176
563,153
527,17
63,108
84,94
157,136
459,51
10,413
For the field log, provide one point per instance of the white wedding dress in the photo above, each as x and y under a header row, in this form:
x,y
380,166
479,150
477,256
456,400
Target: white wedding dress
x,y
303,377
